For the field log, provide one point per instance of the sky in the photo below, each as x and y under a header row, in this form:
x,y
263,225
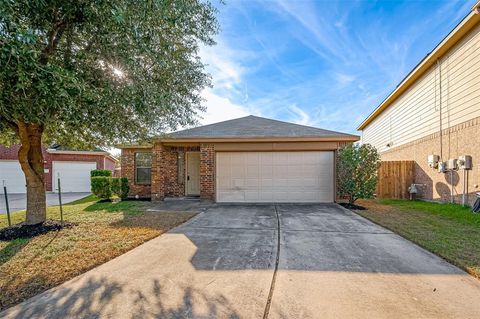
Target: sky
x,y
327,64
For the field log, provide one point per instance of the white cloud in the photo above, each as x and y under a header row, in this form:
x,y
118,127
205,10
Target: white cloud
x,y
220,108
227,68
300,116
224,64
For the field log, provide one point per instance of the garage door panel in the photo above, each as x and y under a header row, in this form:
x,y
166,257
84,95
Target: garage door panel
x,y
275,176
11,172
252,171
224,182
266,182
251,196
74,176
232,196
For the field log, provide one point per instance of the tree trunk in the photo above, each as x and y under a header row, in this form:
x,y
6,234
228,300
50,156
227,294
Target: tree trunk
x,y
30,157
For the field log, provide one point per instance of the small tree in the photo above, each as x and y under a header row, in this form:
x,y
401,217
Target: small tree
x,y
357,167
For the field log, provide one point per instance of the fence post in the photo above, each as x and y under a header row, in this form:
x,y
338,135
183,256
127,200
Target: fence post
x,y
60,199
6,203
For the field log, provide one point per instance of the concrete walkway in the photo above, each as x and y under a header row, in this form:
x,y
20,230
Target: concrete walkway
x,y
223,264
19,201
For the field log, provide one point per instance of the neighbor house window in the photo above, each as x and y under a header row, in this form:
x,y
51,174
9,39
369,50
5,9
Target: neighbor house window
x,y
143,168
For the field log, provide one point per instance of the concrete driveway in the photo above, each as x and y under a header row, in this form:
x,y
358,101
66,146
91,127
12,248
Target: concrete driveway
x,y
19,201
266,261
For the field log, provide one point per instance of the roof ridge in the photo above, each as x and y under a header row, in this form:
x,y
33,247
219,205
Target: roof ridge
x,y
206,125
262,118
302,125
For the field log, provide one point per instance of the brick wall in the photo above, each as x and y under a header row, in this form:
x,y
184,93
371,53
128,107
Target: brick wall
x,y
109,164
127,161
462,139
207,171
158,173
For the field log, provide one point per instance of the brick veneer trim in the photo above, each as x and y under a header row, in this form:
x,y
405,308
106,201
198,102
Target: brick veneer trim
x,y
207,171
461,139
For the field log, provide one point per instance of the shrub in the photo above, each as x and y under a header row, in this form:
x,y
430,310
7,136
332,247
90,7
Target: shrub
x,y
115,186
101,172
124,188
101,186
357,167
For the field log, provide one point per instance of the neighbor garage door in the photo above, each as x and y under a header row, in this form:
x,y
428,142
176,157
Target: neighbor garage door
x,y
275,176
74,176
12,174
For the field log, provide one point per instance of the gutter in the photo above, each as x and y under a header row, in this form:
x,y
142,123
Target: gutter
x,y
352,138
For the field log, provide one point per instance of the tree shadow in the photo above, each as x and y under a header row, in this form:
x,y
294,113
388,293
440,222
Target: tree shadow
x,y
162,221
12,248
104,297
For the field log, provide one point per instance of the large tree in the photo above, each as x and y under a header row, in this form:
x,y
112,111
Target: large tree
x,y
83,73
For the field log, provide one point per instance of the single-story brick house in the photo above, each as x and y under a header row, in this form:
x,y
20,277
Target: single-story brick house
x,y
249,159
73,167
435,112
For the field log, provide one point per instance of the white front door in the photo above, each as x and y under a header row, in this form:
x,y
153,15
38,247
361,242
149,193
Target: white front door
x,y
275,176
74,176
192,182
12,174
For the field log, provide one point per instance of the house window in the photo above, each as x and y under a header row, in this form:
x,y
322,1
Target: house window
x,y
181,167
143,168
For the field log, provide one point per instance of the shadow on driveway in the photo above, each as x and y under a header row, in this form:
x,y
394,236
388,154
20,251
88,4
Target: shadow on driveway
x,y
222,264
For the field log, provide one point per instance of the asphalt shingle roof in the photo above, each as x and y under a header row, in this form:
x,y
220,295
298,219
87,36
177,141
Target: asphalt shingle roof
x,y
255,127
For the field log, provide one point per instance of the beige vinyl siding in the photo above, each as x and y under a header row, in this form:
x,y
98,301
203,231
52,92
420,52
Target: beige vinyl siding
x,y
416,113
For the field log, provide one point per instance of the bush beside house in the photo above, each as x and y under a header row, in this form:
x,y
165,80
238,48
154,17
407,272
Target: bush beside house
x,y
357,167
104,186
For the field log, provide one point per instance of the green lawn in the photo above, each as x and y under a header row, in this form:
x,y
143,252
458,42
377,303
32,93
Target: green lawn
x,y
448,230
102,231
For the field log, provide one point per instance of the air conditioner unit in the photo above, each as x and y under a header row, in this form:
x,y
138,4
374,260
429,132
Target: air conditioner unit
x,y
465,162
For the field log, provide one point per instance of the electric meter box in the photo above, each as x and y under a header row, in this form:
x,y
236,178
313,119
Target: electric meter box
x,y
465,162
433,160
452,164
442,167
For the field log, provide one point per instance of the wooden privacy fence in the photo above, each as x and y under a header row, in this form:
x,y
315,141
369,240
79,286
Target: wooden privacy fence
x,y
394,178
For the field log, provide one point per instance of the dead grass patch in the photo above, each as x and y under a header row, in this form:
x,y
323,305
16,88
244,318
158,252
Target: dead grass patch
x,y
103,231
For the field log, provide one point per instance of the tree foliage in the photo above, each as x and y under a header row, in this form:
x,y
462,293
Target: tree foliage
x,y
101,72
93,73
357,167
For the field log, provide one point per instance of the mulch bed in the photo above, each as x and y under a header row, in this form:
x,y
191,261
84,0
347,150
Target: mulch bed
x,y
352,206
26,231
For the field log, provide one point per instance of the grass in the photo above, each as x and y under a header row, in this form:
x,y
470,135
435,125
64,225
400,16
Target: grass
x,y
103,231
451,231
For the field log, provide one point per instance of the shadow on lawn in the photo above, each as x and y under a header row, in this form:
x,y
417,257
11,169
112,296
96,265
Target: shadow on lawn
x,y
102,297
130,207
12,248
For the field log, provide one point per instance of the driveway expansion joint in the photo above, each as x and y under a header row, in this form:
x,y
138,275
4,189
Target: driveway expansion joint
x,y
220,227
275,271
339,231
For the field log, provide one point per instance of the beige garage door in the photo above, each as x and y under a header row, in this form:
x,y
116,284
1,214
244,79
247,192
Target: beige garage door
x,y
275,176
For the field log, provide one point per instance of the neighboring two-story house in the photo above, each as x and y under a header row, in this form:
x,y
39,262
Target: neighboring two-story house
x,y
435,110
